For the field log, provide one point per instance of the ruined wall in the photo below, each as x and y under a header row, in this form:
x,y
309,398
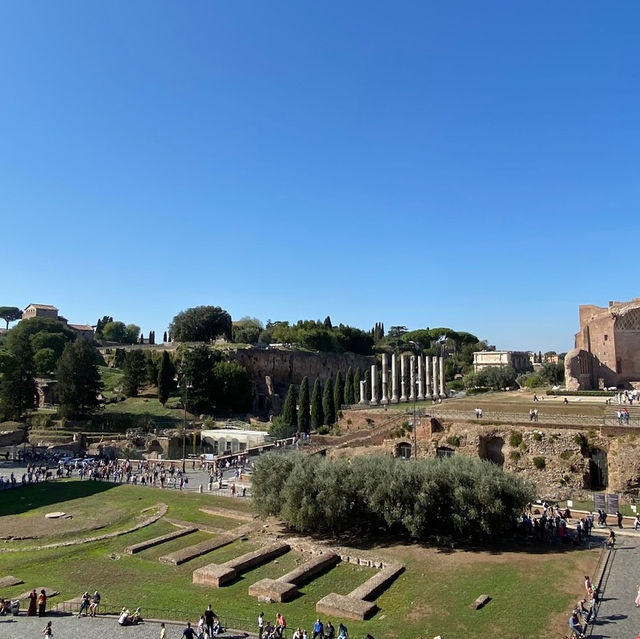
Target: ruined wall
x,y
564,468
289,367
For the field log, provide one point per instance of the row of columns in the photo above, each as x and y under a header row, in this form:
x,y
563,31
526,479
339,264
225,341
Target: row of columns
x,y
422,376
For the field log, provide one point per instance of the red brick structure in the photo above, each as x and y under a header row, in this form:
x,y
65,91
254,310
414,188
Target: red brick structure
x,y
607,352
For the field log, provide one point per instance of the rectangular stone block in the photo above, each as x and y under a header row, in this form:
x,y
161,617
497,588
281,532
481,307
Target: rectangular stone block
x,y
197,550
9,580
480,602
273,590
156,541
214,575
312,567
378,582
257,557
335,605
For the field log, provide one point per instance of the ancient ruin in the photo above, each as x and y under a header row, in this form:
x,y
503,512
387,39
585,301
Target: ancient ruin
x,y
607,348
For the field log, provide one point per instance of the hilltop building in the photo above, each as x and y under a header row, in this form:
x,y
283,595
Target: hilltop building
x,y
518,360
47,311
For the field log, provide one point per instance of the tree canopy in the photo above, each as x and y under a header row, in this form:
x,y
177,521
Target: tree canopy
x,y
10,314
457,498
201,324
78,379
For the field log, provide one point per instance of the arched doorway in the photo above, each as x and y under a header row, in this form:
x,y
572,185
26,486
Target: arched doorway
x,y
491,449
598,469
403,449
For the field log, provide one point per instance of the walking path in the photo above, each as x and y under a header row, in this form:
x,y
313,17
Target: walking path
x,y
618,617
70,627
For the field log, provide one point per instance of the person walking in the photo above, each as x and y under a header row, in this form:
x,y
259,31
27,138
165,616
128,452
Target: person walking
x,y
619,517
260,625
47,631
638,596
33,604
163,631
209,615
188,632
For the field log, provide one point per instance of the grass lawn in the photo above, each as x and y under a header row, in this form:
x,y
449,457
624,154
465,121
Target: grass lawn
x,y
147,406
530,590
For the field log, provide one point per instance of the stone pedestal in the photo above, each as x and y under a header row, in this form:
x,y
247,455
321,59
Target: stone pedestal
x,y
394,379
403,378
412,378
427,374
420,379
442,393
384,400
374,385
363,392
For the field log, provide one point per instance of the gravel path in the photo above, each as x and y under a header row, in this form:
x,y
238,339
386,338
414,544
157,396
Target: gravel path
x,y
618,617
70,627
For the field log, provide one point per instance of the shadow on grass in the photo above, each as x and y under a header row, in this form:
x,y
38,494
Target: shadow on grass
x,y
46,493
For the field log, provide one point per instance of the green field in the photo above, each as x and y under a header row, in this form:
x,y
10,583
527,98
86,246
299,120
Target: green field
x,y
529,590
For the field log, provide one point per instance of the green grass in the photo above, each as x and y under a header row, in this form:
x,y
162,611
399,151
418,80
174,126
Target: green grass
x,y
431,597
111,379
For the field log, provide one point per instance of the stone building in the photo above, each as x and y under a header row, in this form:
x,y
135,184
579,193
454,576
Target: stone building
x,y
51,312
607,347
518,360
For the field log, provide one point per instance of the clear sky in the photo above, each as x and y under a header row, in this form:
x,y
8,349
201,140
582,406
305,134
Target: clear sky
x,y
465,164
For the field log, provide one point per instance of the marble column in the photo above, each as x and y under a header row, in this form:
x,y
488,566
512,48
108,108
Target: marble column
x,y
403,378
420,379
394,379
384,400
374,385
363,392
434,374
427,374
412,378
442,394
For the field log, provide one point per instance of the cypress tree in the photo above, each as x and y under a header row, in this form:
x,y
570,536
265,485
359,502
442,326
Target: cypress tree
x,y
317,417
349,397
289,413
357,376
165,378
304,407
367,385
164,337
328,407
338,392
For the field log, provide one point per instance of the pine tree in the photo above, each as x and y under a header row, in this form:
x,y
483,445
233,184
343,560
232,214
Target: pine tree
x,y
338,392
304,406
135,371
78,379
349,397
166,376
327,322
317,417
289,413
328,407
164,338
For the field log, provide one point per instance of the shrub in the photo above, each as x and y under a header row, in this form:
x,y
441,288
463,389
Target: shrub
x,y
453,440
515,439
566,454
537,437
514,455
578,440
539,463
454,498
592,393
324,430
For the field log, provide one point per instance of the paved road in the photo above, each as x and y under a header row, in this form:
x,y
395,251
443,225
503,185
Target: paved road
x,y
618,617
70,627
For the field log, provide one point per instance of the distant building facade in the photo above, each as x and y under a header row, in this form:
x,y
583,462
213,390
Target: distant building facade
x,y
607,347
518,360
47,311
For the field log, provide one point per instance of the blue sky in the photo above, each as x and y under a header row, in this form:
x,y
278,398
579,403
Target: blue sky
x,y
464,164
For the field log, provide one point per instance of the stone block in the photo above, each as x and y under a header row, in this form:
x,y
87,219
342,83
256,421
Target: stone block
x,y
197,550
345,606
273,590
378,582
480,602
156,541
9,580
214,575
312,567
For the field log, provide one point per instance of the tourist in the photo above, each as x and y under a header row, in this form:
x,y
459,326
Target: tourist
x,y
202,628
619,517
47,630
163,631
318,629
95,602
297,633
33,603
188,632
84,604
42,603
281,625
638,596
329,631
260,625
636,522
574,625
3,607
209,615
343,633
588,587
